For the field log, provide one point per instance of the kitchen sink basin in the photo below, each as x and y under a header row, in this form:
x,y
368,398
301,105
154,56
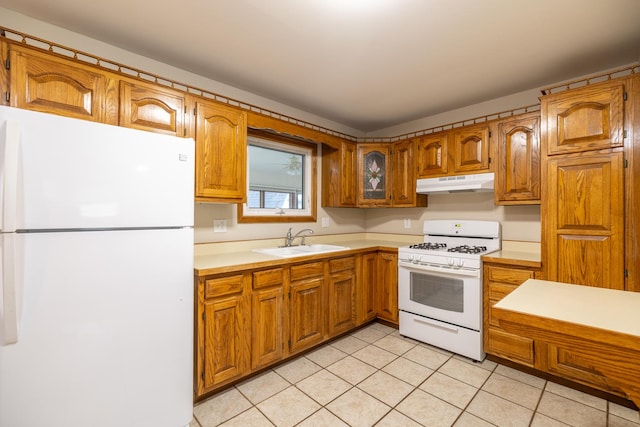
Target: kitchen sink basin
x,y
293,251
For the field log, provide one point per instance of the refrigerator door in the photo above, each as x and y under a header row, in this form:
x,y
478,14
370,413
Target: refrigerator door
x,y
105,321
76,174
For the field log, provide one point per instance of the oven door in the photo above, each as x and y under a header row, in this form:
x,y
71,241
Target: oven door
x,y
449,295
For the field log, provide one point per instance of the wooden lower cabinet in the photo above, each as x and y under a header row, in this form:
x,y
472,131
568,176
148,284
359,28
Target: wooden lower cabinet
x,y
223,328
366,293
251,319
306,317
267,317
342,291
387,286
499,281
571,365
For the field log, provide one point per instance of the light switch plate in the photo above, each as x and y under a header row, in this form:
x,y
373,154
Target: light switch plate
x,y
407,223
325,222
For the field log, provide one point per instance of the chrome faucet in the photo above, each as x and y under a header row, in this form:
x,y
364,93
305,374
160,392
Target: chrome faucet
x,y
288,240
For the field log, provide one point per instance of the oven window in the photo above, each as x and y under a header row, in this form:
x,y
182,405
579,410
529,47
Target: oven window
x,y
437,292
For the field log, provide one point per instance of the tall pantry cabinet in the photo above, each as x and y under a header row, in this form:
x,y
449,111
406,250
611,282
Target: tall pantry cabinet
x,y
583,179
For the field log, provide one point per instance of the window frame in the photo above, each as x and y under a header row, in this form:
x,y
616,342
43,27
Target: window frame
x,y
272,140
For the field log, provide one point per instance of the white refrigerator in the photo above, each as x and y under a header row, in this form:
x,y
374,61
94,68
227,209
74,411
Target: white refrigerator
x,y
96,274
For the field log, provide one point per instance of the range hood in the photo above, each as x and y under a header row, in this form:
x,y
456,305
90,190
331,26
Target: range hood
x,y
454,184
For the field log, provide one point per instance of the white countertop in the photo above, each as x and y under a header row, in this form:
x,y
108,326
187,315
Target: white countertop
x,y
211,259
601,308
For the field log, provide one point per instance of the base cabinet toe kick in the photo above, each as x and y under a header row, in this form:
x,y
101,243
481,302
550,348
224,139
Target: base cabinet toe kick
x,y
600,325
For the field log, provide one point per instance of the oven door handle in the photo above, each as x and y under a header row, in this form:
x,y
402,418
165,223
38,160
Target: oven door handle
x,y
448,272
440,325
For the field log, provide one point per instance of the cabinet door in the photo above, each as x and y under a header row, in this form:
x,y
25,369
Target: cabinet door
x,y
585,119
226,347
404,177
432,155
341,304
339,175
518,167
583,220
45,83
367,304
571,365
471,149
267,331
348,176
374,178
306,313
221,153
152,108
387,284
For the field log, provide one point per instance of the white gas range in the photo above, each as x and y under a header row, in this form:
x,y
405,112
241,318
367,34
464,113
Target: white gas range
x,y
440,284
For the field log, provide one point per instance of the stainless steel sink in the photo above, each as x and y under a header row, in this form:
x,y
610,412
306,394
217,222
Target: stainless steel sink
x,y
293,251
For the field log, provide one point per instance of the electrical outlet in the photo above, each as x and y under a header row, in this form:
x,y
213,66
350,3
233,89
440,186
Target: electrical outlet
x,y
407,223
325,222
219,225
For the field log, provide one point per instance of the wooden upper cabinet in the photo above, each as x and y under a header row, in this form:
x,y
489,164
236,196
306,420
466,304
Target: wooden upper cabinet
x,y
221,153
432,155
404,177
339,178
49,84
585,119
518,165
583,220
4,74
471,149
374,179
152,108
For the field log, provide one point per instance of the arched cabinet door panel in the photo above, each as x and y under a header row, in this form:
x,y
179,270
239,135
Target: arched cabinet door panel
x,y
221,153
49,84
585,119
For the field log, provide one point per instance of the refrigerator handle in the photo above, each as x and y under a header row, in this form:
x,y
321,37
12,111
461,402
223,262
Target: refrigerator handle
x,y
9,170
8,284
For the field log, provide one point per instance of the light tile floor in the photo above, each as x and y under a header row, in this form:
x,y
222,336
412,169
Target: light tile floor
x,y
375,377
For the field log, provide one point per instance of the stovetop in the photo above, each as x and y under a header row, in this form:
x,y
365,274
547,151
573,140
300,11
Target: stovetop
x,y
455,239
463,249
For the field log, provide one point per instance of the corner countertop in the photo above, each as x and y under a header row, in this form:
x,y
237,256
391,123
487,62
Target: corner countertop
x,y
221,259
607,309
521,254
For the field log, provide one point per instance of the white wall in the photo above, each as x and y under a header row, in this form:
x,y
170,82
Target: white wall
x,y
521,223
498,105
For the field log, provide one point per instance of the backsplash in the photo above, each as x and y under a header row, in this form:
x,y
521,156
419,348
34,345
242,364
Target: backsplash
x,y
519,223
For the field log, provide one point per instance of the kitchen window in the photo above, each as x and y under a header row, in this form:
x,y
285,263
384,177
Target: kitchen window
x,y
281,179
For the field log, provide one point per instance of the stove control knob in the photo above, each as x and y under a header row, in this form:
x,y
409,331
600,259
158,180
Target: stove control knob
x,y
417,259
459,263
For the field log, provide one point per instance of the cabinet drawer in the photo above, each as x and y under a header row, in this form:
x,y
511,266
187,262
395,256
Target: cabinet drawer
x,y
509,275
305,271
341,264
265,278
510,346
497,291
223,286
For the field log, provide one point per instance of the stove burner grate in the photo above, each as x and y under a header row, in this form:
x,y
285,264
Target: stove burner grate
x,y
428,246
466,249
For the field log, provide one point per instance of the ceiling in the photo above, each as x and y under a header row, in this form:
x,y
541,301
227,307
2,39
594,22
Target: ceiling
x,y
367,64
